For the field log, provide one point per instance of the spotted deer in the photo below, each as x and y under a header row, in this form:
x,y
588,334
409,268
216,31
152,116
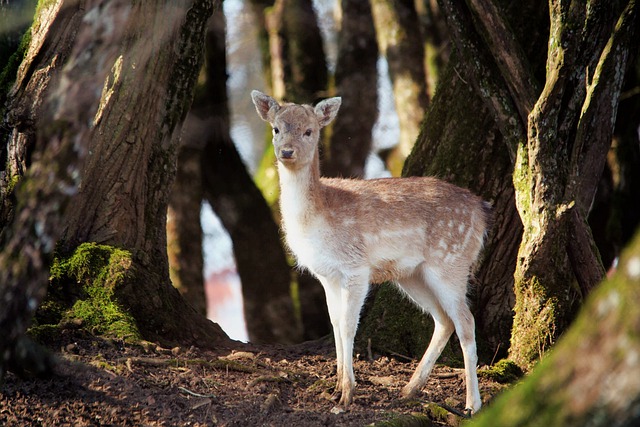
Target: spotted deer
x,y
420,233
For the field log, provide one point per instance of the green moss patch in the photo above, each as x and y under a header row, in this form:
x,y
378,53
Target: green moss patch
x,y
504,372
82,292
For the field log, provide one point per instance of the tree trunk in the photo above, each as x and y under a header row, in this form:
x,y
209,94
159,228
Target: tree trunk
x,y
298,74
591,377
356,80
260,258
120,144
184,232
554,197
436,42
469,150
399,38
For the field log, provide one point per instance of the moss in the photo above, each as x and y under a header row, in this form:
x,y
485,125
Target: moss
x,y
83,288
503,372
406,420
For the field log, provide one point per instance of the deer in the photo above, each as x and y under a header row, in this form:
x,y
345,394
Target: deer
x,y
420,233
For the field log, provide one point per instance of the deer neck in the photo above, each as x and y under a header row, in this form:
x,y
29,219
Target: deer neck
x,y
300,192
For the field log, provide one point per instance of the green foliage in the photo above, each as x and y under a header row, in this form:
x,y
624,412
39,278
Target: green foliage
x,y
503,372
83,289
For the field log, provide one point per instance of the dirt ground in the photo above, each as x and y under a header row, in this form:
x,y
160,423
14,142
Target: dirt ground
x,y
103,383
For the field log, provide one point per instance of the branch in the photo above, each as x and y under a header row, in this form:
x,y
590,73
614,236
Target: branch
x,y
487,81
509,55
598,115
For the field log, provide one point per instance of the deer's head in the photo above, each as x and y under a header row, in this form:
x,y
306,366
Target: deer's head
x,y
296,128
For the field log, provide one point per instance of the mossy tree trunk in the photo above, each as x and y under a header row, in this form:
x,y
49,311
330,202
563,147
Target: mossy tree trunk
x,y
260,258
356,81
559,162
591,377
557,171
400,41
105,146
128,176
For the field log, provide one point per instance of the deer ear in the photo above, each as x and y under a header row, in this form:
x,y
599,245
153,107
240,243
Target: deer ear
x,y
264,105
327,110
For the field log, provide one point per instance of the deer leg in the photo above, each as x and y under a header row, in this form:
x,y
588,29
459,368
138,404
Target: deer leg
x,y
334,302
422,295
465,329
441,333
353,294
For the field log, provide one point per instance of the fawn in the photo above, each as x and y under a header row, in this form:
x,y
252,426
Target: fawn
x,y
420,233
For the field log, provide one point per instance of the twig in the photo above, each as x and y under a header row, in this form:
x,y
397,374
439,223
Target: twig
x,y
192,393
454,411
494,355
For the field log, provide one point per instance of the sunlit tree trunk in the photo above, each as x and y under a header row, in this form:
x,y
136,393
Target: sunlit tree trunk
x,y
557,171
399,39
469,150
356,81
559,159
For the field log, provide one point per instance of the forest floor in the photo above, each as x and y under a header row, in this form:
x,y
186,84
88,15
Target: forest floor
x,y
99,382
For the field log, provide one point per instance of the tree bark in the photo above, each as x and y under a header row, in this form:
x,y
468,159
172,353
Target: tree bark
x,y
399,39
469,150
184,231
356,80
553,197
105,131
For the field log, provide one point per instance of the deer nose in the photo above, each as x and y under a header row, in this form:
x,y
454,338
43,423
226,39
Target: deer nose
x,y
286,154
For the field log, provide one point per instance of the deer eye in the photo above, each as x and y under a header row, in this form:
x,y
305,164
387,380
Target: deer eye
x,y
276,131
307,132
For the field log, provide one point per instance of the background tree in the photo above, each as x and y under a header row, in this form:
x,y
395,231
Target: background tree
x,y
298,73
121,146
400,41
260,258
356,81
184,231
